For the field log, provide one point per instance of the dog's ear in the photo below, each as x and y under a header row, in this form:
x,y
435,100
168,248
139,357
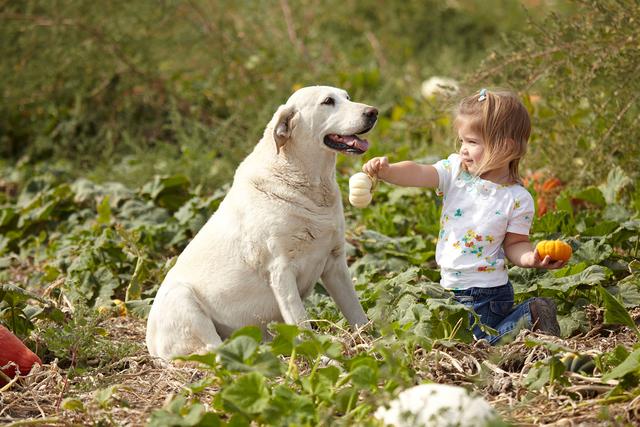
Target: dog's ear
x,y
284,124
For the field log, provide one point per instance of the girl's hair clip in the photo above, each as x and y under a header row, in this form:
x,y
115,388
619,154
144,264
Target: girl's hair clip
x,y
483,95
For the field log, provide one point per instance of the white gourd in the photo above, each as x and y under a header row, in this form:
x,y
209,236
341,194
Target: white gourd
x,y
436,405
358,192
360,185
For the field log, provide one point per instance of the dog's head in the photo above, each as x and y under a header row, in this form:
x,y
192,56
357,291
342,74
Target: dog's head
x,y
323,116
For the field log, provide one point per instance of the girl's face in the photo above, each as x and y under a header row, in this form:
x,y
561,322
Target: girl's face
x,y
471,144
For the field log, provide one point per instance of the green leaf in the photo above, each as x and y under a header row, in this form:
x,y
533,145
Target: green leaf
x,y
315,345
289,407
630,364
139,307
170,192
235,353
14,294
544,372
71,404
248,393
209,359
7,214
615,313
331,373
364,377
592,252
104,396
551,346
104,211
267,364
554,222
252,332
591,276
284,341
346,399
627,291
573,322
617,180
134,289
180,413
570,269
592,195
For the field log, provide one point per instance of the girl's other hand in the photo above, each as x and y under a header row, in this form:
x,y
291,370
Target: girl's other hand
x,y
375,166
547,262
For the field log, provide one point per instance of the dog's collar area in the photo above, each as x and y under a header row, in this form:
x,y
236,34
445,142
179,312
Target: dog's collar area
x,y
350,144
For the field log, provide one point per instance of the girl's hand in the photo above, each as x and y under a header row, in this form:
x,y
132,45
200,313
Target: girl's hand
x,y
547,262
376,166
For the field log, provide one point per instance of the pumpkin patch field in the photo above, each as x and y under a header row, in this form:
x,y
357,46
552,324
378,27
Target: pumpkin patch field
x,y
98,252
122,123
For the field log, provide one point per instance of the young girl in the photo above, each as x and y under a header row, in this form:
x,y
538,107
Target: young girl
x,y
486,212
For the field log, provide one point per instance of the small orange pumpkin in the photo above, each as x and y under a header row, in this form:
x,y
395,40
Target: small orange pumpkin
x,y
556,249
550,184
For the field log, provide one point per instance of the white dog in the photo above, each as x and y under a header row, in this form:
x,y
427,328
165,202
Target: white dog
x,y
278,230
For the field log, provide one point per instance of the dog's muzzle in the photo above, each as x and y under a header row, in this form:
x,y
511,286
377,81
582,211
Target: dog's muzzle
x,y
353,144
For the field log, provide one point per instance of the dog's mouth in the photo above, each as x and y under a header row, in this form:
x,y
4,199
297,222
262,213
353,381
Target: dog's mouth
x,y
350,144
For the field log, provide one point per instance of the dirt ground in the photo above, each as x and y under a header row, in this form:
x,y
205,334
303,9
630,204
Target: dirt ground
x,y
145,384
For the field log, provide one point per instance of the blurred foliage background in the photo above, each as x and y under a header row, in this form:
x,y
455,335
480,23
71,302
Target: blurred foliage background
x,y
124,90
122,122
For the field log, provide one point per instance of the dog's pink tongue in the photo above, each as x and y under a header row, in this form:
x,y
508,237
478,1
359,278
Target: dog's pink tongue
x,y
360,144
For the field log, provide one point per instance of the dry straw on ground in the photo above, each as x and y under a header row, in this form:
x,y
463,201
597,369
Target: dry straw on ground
x,y
144,383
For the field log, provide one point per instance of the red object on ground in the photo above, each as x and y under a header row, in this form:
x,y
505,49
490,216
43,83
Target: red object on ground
x,y
14,350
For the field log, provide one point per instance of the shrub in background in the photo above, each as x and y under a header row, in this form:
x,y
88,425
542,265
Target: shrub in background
x,y
580,76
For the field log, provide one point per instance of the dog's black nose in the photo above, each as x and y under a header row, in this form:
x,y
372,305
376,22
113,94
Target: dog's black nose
x,y
371,113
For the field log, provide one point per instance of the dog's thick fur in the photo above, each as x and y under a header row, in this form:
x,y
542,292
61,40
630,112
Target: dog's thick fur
x,y
279,229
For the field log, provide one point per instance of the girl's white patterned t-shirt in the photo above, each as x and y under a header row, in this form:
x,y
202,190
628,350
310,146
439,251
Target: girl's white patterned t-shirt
x,y
476,215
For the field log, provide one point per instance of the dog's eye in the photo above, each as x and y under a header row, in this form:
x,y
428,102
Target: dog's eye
x,y
328,101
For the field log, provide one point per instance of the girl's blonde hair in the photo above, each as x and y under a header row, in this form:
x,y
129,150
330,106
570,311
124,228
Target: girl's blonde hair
x,y
504,123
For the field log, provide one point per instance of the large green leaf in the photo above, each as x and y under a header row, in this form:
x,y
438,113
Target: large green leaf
x,y
554,222
248,393
628,291
168,191
629,365
235,354
591,276
592,252
14,294
615,313
617,181
592,195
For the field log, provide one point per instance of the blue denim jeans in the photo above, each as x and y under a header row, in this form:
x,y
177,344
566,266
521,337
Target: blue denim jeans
x,y
495,308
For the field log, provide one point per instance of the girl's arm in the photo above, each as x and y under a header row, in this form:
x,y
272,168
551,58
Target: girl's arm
x,y
406,174
521,252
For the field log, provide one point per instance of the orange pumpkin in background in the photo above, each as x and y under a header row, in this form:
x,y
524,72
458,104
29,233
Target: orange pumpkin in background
x,y
547,189
556,249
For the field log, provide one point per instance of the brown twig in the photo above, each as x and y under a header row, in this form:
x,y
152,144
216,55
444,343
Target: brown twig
x,y
291,30
619,117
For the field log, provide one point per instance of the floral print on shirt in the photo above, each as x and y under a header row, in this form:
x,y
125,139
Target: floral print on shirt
x,y
491,266
471,243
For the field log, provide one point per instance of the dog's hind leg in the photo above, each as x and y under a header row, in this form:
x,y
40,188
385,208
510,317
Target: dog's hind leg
x,y
178,325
